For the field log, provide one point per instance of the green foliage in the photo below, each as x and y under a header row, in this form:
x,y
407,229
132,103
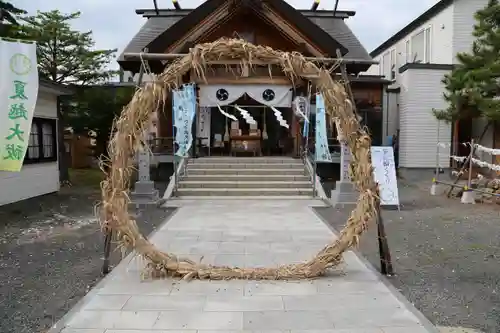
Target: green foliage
x,y
66,55
473,85
9,18
94,109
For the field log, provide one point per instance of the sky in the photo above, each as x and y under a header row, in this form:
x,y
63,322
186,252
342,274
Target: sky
x,y
114,22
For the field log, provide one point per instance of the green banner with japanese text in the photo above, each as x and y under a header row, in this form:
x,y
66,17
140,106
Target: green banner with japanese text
x,y
18,95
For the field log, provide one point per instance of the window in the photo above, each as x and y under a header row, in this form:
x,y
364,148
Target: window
x,y
42,143
421,47
387,65
428,45
393,64
33,143
418,47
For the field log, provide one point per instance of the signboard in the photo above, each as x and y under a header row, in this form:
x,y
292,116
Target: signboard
x,y
321,147
18,94
385,175
184,107
203,130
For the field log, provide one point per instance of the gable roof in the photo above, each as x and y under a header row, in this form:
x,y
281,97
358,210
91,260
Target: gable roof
x,y
55,88
427,15
317,35
334,27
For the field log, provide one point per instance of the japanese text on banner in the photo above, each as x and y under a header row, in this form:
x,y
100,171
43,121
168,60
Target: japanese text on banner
x,y
18,95
184,106
384,171
321,148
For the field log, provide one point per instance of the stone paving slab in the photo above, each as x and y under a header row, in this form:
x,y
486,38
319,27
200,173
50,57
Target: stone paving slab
x,y
352,299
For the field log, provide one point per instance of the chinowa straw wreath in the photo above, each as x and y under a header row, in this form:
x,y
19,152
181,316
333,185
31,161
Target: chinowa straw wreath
x,y
129,135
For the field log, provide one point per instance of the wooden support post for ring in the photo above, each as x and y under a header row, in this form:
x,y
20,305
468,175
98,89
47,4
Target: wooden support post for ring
x,y
109,231
107,251
386,267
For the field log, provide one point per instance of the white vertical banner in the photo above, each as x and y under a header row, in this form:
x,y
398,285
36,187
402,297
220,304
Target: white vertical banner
x,y
384,172
184,110
18,94
204,125
322,151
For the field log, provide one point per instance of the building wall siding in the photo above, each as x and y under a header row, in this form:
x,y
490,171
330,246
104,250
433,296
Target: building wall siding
x,y
451,33
442,30
33,179
421,92
463,23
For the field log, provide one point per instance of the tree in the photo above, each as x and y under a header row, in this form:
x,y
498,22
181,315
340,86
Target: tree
x,y
473,85
8,18
66,56
95,109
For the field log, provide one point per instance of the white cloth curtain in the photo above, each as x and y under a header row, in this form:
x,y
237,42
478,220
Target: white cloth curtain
x,y
270,95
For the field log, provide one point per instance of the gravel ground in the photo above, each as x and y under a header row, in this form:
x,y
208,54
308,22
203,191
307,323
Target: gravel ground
x,y
445,255
51,251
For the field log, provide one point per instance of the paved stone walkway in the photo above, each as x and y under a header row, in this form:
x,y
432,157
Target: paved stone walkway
x,y
352,299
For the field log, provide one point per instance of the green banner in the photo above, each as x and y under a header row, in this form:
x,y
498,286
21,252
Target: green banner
x,y
18,95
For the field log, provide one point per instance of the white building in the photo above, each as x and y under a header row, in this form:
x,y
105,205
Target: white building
x,y
416,58
40,172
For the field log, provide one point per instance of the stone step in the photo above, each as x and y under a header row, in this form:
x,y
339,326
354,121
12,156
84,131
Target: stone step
x,y
175,201
206,192
248,178
245,166
244,184
244,160
273,171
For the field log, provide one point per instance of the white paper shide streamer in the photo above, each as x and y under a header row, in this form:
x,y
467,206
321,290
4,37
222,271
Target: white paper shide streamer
x,y
246,115
230,116
482,164
300,103
443,145
448,145
279,117
459,159
487,150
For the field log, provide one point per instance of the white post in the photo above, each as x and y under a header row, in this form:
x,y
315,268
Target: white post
x,y
344,193
144,166
144,191
468,196
345,160
434,179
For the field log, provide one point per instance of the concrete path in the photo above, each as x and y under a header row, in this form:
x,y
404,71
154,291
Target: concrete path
x,y
352,299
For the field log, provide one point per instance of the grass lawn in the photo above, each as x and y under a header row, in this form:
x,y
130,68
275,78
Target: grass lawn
x,y
90,177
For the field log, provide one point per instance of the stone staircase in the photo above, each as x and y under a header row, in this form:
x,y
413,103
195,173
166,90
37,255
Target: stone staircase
x,y
245,177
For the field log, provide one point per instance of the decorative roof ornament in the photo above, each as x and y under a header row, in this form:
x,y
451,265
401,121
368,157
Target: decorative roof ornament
x,y
268,95
245,4
222,94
